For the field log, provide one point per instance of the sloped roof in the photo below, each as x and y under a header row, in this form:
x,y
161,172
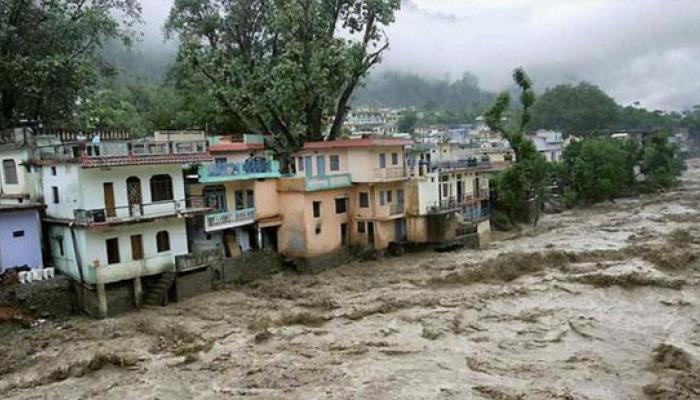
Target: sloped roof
x,y
116,161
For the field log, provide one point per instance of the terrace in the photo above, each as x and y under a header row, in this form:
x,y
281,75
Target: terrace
x,y
140,212
111,153
229,219
388,174
242,170
456,203
316,183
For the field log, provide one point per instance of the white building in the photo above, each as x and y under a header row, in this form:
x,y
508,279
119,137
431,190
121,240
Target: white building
x,y
549,143
115,210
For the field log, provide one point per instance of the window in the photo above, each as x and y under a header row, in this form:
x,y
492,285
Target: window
x,y
382,197
317,209
53,171
445,189
161,188
382,160
341,206
10,169
250,199
54,191
59,243
18,234
394,158
300,161
162,241
335,162
318,229
238,194
389,196
364,200
361,227
220,160
112,251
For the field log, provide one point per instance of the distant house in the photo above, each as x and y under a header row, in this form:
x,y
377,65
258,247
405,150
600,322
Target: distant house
x,y
20,203
548,143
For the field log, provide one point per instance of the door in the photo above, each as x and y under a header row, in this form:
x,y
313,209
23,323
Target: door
x,y
308,166
400,199
321,166
137,247
476,188
110,209
344,234
370,233
460,191
400,230
133,192
215,197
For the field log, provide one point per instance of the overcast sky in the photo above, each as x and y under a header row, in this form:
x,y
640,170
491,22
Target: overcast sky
x,y
636,50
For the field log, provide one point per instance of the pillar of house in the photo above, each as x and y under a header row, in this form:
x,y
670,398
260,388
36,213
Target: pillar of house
x,y
138,292
260,238
101,300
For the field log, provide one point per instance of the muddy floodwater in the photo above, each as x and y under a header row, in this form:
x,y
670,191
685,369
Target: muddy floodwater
x,y
596,303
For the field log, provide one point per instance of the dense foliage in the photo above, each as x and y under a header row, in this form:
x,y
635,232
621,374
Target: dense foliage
x,y
49,53
526,179
459,101
285,67
601,169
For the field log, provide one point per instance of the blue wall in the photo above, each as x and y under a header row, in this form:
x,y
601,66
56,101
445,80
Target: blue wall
x,y
17,249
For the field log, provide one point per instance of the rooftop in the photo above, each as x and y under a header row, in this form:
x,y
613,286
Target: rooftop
x,y
226,146
357,143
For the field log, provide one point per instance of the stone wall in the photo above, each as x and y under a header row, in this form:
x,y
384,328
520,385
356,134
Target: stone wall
x,y
52,298
193,283
247,267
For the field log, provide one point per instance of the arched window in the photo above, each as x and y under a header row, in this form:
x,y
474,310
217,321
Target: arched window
x,y
163,241
133,190
161,188
10,171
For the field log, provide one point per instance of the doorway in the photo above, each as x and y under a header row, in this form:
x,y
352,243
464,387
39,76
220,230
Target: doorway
x,y
110,209
133,193
370,233
344,234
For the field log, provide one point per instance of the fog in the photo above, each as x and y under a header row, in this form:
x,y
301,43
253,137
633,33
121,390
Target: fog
x,y
636,50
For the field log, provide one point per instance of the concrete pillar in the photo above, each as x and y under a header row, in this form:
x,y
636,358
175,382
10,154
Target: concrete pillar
x,y
101,300
138,292
260,238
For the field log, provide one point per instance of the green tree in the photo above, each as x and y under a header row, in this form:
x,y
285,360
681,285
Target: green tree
x,y
287,67
49,53
580,110
659,164
407,122
528,176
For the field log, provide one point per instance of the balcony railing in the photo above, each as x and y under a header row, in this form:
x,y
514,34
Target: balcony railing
x,y
328,182
229,219
134,148
397,208
134,212
454,203
469,163
249,169
390,173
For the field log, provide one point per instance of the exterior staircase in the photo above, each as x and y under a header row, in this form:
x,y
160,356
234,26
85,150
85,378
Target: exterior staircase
x,y
158,293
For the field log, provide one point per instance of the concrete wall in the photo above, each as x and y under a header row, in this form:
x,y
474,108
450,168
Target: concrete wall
x,y
365,162
267,204
342,154
16,250
26,180
298,237
93,252
67,180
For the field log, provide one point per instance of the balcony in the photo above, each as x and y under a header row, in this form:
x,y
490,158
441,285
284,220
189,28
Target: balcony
x,y
229,219
139,212
397,209
315,183
249,169
392,173
124,152
462,164
455,203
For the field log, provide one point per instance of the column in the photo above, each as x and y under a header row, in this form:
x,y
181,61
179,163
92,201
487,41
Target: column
x,y
138,292
101,300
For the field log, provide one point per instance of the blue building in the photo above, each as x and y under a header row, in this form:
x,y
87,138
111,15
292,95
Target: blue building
x,y
20,237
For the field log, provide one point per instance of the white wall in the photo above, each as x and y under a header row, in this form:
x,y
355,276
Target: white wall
x,y
70,193
92,247
26,181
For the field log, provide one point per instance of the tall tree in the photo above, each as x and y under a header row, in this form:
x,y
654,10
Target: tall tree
x,y
288,67
515,185
48,52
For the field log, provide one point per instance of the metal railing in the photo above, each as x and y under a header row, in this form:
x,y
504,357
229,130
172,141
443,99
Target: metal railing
x,y
390,173
242,169
397,208
468,163
136,148
229,219
454,203
137,211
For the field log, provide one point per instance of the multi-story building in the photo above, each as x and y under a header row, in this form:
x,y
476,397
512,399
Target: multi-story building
x,y
241,188
448,193
20,203
116,211
343,192
548,143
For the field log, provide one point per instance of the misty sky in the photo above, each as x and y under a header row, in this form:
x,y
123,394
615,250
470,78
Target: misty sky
x,y
636,50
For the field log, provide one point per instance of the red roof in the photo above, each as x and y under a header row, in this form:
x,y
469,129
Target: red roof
x,y
352,143
235,146
116,161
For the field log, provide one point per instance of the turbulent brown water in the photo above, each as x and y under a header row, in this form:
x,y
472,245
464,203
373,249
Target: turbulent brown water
x,y
599,303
